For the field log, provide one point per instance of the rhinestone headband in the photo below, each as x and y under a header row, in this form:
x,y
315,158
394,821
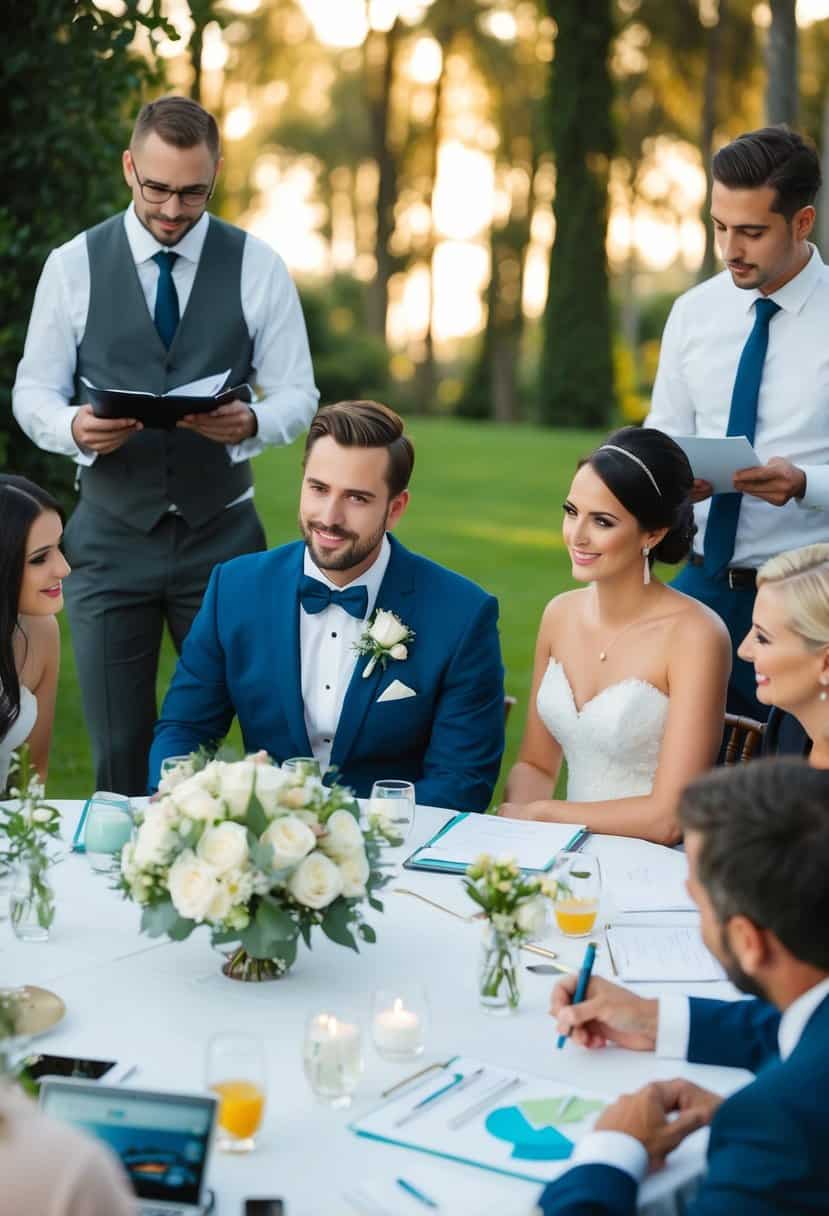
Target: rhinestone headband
x,y
611,447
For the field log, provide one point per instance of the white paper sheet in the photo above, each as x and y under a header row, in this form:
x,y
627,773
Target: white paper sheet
x,y
646,877
717,458
661,954
532,844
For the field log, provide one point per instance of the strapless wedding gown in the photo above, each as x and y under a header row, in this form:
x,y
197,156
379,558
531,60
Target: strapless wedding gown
x,y
20,730
612,744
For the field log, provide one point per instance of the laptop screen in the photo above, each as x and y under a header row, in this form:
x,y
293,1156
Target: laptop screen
x,y
162,1139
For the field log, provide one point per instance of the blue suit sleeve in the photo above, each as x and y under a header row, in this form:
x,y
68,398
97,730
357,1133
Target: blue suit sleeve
x,y
590,1190
461,764
735,1034
197,709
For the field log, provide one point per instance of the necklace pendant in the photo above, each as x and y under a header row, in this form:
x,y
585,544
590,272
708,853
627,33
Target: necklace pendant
x,y
602,656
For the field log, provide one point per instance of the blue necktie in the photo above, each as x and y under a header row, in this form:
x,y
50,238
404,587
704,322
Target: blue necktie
x,y
721,529
166,298
315,596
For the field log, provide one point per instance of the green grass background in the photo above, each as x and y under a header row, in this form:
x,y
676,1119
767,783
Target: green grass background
x,y
486,501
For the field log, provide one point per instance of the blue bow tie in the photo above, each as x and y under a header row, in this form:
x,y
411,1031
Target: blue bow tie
x,y
315,596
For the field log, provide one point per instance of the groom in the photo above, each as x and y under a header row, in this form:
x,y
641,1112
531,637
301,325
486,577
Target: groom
x,y
274,640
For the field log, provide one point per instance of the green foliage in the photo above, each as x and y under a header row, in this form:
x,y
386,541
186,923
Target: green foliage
x,y
576,384
349,363
70,87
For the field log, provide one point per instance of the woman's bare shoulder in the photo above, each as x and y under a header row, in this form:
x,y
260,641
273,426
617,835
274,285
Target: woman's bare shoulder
x,y
697,623
37,646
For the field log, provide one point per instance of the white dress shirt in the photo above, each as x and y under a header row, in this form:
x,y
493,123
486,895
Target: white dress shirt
x,y
673,1033
45,382
701,346
327,655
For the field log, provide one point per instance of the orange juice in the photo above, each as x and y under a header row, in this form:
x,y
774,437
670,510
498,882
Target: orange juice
x,y
576,917
241,1104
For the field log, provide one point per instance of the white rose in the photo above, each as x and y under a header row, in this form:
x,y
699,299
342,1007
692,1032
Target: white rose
x,y
233,890
269,782
175,775
43,814
128,868
531,916
290,839
224,847
193,800
343,837
156,839
386,629
236,785
355,872
209,776
193,886
295,796
316,882
311,818
399,651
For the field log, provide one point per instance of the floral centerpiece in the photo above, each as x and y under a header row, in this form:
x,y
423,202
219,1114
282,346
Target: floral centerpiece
x,y
28,825
515,907
258,854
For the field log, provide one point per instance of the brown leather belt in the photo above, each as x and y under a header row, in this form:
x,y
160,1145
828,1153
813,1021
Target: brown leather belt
x,y
739,578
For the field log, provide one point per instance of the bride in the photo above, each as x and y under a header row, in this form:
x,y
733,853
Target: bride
x,y
630,676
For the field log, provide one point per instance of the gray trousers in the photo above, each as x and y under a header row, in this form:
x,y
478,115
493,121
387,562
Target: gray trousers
x,y
124,585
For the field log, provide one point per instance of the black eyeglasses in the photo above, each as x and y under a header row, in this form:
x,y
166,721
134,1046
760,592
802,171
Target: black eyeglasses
x,y
190,196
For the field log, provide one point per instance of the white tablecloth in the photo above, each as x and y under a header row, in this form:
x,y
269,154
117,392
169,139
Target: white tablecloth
x,y
155,1003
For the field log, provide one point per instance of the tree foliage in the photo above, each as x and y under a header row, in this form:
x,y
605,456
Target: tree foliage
x,y
576,387
70,86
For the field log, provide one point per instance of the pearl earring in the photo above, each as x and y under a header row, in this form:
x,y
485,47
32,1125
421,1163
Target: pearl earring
x,y
647,571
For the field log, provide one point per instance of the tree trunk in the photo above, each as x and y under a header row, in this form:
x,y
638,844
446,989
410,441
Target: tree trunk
x,y
781,63
709,123
426,374
379,82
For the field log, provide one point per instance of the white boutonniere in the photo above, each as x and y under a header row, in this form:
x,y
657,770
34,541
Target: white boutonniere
x,y
386,637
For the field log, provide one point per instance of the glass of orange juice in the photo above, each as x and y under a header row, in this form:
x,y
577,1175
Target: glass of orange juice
x,y
578,890
236,1074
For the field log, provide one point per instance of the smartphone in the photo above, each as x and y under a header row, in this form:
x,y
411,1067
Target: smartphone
x,y
264,1207
40,1065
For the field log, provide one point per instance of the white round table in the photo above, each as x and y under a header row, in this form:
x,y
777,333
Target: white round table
x,y
155,1003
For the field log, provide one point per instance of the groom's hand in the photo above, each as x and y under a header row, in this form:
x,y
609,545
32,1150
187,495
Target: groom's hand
x,y
608,1014
644,1115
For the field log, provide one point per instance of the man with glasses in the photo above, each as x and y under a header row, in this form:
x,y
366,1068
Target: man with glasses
x,y
154,298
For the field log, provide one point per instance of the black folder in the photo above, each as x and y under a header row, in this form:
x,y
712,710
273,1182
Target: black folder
x,y
161,413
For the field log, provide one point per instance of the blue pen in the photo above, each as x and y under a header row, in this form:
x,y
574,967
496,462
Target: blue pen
x,y
415,1193
581,986
455,1086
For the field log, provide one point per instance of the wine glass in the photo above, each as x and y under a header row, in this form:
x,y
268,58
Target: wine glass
x,y
391,810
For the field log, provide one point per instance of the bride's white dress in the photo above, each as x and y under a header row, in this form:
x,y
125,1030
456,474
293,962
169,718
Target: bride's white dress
x,y
612,743
21,728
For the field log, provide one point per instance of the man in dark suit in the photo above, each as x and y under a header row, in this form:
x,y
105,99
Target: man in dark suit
x,y
281,638
757,839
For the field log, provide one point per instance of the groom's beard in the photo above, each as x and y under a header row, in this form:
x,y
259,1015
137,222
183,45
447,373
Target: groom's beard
x,y
342,559
739,978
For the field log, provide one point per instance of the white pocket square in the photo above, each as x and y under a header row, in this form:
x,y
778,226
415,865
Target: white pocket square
x,y
396,692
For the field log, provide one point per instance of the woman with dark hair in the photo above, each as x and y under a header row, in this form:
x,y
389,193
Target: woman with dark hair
x,y
630,676
32,568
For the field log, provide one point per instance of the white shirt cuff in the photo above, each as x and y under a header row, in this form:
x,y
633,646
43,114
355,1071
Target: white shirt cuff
x,y
612,1148
816,497
673,1028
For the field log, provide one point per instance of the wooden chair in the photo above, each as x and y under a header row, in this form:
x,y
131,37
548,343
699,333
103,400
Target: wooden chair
x,y
508,704
743,737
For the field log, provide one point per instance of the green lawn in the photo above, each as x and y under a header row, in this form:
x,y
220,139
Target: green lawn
x,y
486,501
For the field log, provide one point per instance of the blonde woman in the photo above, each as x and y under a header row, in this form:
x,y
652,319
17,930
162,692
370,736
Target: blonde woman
x,y
789,646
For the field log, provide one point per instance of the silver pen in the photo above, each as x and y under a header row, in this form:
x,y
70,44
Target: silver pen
x,y
454,1087
503,1087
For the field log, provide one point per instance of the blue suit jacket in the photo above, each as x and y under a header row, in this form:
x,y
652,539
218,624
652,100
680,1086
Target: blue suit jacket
x,y
767,1154
241,657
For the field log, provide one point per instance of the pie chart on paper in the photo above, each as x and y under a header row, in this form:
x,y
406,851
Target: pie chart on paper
x,y
532,1127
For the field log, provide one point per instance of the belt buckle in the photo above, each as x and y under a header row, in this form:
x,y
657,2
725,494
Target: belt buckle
x,y
731,579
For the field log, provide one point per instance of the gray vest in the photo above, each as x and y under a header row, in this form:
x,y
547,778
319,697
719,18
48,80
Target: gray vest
x,y
121,348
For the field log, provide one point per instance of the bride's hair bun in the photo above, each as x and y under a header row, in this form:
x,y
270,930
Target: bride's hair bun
x,y
652,479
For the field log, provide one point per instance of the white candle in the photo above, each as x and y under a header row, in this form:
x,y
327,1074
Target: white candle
x,y
333,1061
398,1030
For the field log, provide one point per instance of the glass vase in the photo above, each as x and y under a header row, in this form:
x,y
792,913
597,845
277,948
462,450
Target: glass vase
x,y
31,900
499,976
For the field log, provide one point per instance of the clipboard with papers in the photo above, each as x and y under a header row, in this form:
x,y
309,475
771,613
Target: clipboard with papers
x,y
456,845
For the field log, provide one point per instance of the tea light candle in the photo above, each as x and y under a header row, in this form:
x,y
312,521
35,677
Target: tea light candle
x,y
398,1031
333,1062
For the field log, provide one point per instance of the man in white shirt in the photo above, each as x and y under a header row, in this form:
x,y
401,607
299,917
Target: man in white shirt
x,y
745,353
152,299
293,643
757,839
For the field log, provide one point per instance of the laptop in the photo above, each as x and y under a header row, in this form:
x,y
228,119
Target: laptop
x,y
162,1139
